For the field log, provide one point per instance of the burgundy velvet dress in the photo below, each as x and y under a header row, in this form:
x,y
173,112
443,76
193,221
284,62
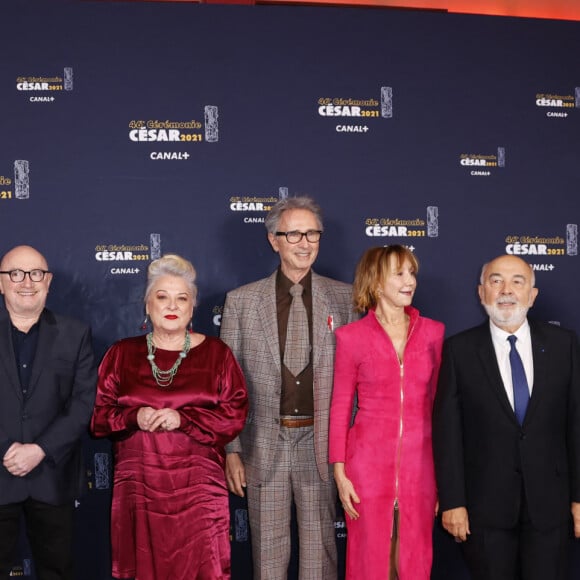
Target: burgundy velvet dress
x,y
169,515
387,451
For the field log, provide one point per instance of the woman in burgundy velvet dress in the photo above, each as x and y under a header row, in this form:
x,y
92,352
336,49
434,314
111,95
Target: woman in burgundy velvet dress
x,y
383,463
170,401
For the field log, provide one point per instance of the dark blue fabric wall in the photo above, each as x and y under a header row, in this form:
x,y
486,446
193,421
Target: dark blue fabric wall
x,y
132,130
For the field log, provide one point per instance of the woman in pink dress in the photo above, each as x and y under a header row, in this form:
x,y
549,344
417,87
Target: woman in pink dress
x,y
170,401
386,368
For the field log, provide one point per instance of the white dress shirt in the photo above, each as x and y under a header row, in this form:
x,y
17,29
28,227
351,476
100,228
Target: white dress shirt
x,y
502,352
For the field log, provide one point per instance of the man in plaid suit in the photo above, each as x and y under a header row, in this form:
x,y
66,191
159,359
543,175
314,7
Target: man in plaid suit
x,y
281,456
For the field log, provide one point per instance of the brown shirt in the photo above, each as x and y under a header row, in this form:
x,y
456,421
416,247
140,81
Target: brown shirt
x,y
297,396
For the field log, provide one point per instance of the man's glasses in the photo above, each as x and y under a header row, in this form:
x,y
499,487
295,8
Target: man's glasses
x,y
19,275
295,236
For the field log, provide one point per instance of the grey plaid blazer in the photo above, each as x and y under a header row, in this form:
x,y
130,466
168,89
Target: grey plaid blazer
x,y
250,328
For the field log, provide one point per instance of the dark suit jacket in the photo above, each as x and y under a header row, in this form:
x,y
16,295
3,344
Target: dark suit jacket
x,y
54,414
482,455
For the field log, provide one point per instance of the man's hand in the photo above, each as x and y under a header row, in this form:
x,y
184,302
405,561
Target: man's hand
x,y
22,458
235,474
456,522
575,509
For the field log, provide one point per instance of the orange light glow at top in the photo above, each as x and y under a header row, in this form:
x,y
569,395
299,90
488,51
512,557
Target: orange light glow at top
x,y
554,9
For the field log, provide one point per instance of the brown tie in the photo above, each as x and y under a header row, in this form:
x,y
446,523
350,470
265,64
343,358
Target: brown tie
x,y
297,349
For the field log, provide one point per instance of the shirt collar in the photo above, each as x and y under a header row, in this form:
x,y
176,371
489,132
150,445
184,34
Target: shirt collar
x,y
500,336
284,283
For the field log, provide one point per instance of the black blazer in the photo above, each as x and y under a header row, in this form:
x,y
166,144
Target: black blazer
x,y
483,456
54,414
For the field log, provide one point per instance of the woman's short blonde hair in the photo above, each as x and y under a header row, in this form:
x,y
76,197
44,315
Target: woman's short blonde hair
x,y
171,265
372,270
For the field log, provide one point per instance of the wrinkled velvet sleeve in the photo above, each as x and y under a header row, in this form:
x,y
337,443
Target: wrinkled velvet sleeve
x,y
109,417
220,423
345,381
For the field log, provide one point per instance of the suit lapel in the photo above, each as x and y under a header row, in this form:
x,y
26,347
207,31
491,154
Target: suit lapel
x,y
540,368
490,367
46,338
269,317
7,359
320,314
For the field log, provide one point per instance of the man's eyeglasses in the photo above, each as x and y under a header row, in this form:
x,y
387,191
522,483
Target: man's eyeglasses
x,y
294,237
19,275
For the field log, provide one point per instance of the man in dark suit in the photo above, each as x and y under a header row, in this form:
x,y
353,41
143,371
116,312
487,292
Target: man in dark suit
x,y
506,434
282,454
47,389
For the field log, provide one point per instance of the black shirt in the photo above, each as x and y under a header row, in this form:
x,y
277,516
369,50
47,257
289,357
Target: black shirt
x,y
24,344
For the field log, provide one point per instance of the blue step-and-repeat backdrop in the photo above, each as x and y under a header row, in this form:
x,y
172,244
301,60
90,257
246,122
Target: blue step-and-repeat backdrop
x,y
129,130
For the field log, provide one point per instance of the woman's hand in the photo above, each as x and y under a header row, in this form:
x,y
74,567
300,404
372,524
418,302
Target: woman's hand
x,y
151,420
165,420
144,417
346,491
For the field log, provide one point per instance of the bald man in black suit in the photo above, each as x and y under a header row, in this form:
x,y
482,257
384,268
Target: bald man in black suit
x,y
507,447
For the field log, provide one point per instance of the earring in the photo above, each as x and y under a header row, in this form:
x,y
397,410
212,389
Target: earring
x,y
190,325
145,322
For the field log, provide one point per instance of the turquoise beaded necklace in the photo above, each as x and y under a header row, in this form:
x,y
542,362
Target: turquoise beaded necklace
x,y
165,378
